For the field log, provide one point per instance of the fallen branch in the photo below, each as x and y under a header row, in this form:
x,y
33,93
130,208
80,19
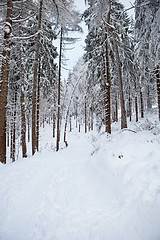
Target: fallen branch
x,y
126,129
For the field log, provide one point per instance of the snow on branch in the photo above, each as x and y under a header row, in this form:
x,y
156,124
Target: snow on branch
x,y
27,37
25,19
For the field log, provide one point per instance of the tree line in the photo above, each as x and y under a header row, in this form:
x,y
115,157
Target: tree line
x,y
122,55
117,76
30,79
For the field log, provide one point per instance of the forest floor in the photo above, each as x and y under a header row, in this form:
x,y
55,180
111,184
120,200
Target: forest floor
x,y
102,187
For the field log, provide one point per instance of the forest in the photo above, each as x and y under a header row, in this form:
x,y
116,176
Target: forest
x,y
98,129
119,69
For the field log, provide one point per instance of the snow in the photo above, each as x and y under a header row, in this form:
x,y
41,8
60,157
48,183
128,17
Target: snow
x,y
7,27
100,187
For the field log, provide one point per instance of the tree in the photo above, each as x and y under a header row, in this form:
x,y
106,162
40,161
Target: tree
x,y
36,61
4,80
147,48
59,91
104,47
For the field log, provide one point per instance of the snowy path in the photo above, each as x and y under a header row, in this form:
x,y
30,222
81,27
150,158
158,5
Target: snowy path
x,y
78,195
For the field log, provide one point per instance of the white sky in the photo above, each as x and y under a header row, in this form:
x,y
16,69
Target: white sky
x,y
77,52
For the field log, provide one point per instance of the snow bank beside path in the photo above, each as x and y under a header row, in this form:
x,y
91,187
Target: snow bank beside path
x,y
100,187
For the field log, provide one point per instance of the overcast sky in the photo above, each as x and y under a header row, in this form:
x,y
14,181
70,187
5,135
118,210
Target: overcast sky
x,y
77,52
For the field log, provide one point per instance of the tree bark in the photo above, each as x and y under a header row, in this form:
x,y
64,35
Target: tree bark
x,y
8,135
23,117
11,138
116,113
85,115
119,73
130,107
38,107
54,124
29,126
59,91
65,128
35,80
108,84
14,127
70,123
136,108
142,109
4,81
149,98
91,120
158,88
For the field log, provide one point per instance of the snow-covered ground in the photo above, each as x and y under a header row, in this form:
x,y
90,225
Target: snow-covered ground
x,y
99,188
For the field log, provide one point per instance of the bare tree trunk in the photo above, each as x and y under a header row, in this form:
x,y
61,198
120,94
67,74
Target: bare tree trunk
x,y
116,113
136,108
158,88
130,107
85,115
108,84
141,100
65,128
76,116
54,124
4,81
35,80
11,140
149,98
70,121
123,111
28,119
23,117
91,120
59,91
38,102
14,127
43,120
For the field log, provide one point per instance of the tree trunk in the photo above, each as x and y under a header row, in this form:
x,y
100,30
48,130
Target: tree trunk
x,y
116,113
142,111
158,89
119,72
11,139
4,81
108,84
65,128
91,120
11,135
54,124
35,81
23,117
85,115
149,98
43,120
8,136
76,116
136,108
14,128
28,119
38,102
130,108
70,123
59,91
